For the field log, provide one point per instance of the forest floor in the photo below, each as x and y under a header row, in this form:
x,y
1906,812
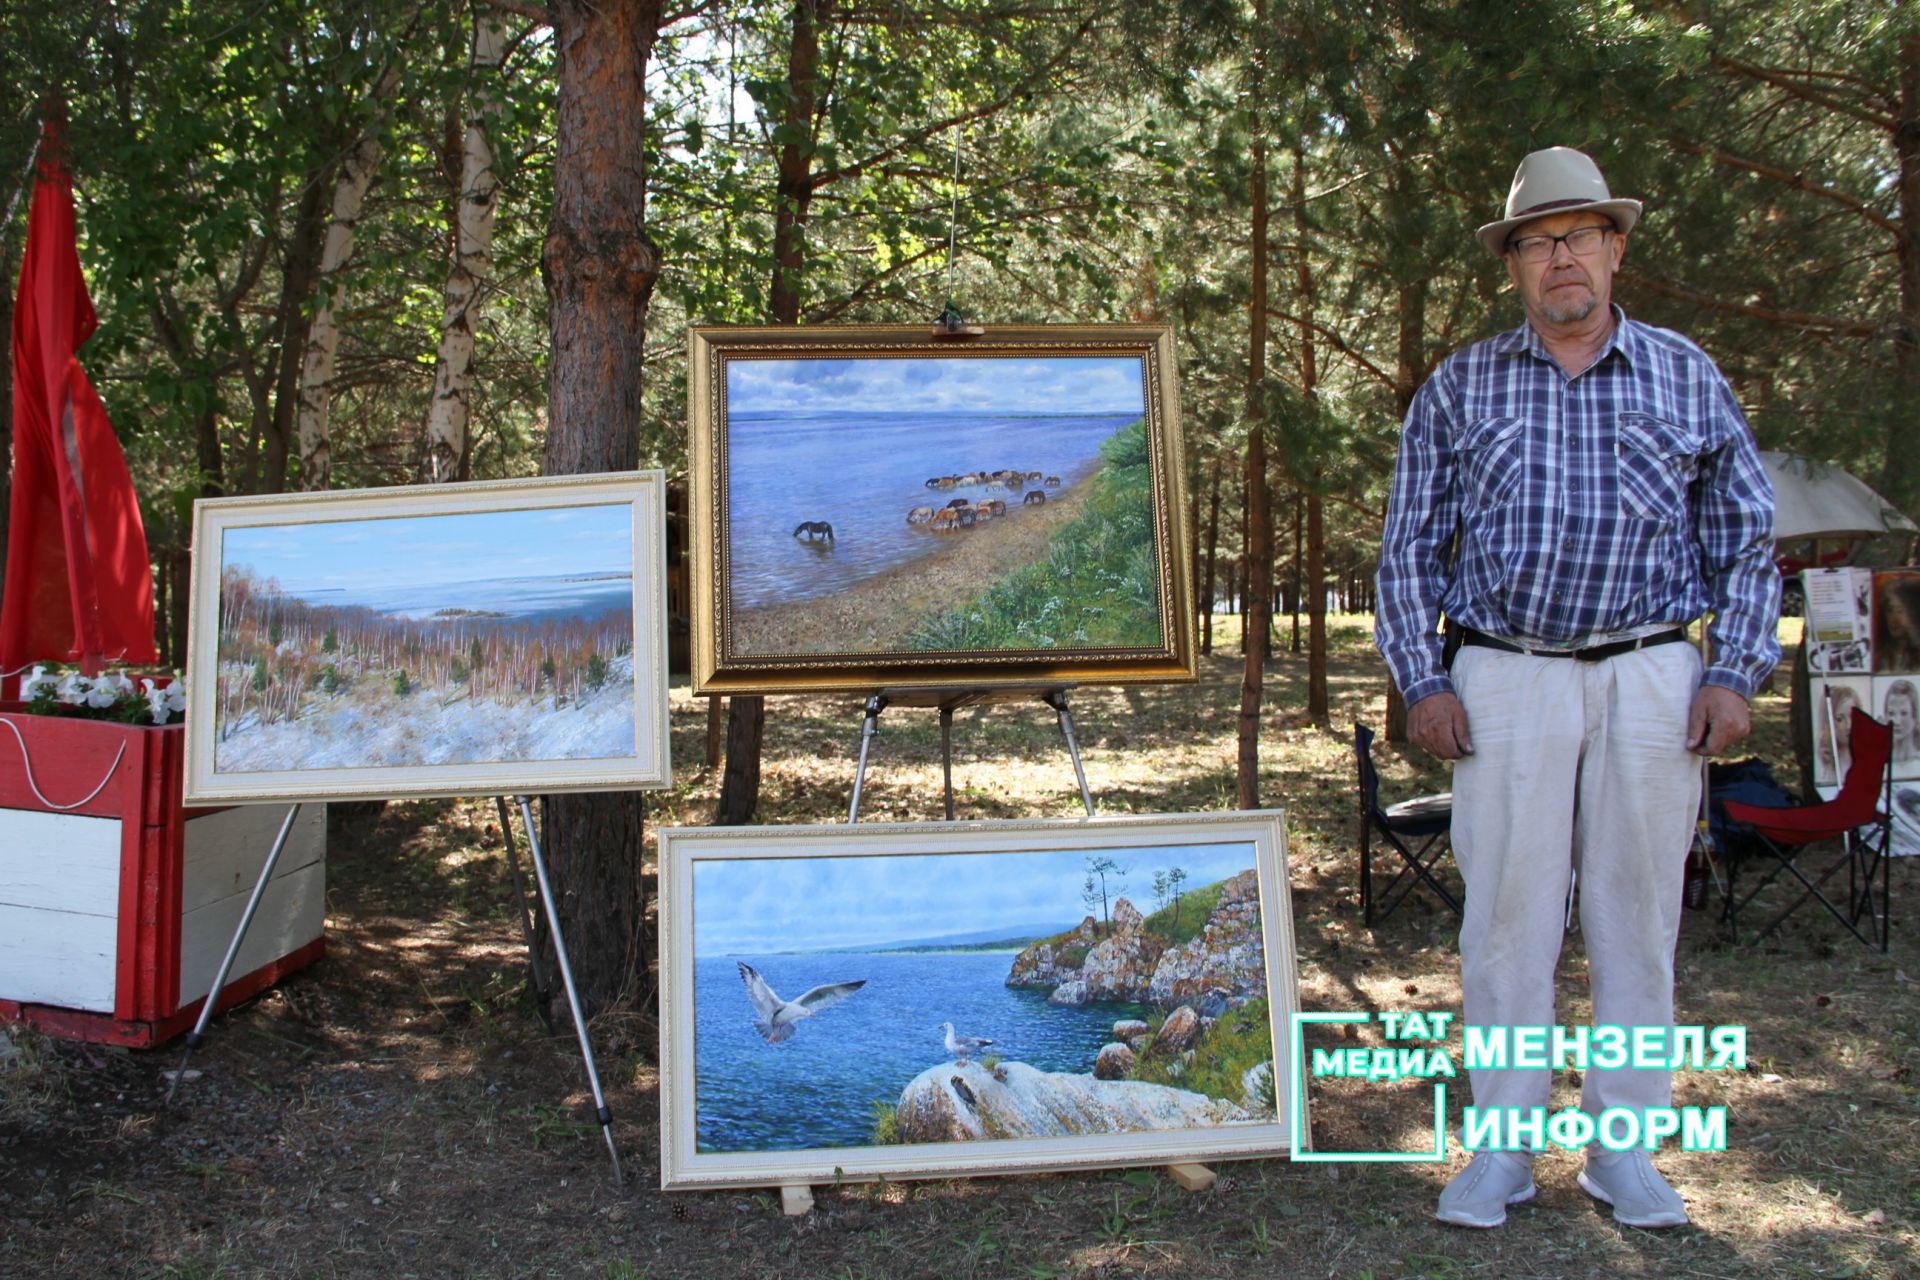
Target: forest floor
x,y
399,1110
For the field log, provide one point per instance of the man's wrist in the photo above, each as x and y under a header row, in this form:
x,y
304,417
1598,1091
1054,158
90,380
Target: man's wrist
x,y
1735,682
1420,690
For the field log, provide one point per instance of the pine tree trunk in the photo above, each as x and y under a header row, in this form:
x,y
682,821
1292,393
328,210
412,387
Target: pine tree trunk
x,y
1213,558
1318,709
1900,477
747,715
1259,587
599,268
448,449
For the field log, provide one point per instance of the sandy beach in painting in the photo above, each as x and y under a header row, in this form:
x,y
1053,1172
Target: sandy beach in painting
x,y
876,615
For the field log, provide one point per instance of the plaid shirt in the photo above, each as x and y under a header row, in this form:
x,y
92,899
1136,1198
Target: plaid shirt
x,y
1623,498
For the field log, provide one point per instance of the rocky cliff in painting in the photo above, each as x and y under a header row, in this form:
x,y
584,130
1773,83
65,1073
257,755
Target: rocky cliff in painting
x,y
1138,961
950,1103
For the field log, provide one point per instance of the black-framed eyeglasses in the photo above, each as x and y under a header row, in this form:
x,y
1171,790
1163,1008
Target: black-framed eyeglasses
x,y
1582,242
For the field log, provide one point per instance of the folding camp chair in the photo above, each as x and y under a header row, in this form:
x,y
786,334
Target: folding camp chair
x,y
1856,817
1428,819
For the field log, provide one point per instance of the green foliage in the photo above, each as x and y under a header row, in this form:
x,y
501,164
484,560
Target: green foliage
x,y
596,671
1098,585
1239,1040
547,670
886,1125
329,679
457,669
329,643
1182,920
402,684
258,682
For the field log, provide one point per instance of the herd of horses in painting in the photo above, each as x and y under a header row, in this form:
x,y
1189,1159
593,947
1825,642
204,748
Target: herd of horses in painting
x,y
959,513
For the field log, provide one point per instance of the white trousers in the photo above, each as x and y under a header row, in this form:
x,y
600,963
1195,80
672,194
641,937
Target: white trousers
x,y
1576,765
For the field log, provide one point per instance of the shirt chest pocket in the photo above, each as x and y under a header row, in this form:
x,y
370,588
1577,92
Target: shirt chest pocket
x,y
1657,463
1492,460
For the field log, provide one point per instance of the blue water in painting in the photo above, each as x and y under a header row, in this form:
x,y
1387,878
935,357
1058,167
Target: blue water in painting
x,y
556,595
862,473
818,1088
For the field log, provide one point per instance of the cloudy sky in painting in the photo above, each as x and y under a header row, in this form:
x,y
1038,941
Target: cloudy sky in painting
x,y
421,551
753,906
1010,384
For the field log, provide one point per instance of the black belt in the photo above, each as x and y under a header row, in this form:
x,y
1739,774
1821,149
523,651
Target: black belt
x,y
1592,653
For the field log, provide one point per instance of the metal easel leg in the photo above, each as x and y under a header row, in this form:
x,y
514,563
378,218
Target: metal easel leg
x,y
601,1111
1058,701
524,910
946,755
195,1036
875,705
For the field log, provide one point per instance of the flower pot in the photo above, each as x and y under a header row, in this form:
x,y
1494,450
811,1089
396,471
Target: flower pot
x,y
117,903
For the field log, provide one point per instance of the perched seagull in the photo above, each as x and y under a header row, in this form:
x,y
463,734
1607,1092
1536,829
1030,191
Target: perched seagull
x,y
960,1046
773,1017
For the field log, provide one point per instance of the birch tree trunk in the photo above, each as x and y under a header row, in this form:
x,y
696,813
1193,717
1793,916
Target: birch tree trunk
x,y
447,446
599,267
323,337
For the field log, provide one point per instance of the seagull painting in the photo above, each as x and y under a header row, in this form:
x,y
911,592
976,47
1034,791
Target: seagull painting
x,y
774,1018
961,1046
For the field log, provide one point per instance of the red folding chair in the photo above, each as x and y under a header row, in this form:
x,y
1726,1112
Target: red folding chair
x,y
1855,817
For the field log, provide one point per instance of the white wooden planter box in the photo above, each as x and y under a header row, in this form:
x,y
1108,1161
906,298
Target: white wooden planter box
x,y
116,912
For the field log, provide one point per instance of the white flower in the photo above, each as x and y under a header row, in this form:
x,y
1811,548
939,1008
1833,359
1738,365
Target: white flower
x,y
101,695
73,689
118,682
39,684
177,697
156,701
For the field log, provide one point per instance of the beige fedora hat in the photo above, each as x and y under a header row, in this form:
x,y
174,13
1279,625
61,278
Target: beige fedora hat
x,y
1557,180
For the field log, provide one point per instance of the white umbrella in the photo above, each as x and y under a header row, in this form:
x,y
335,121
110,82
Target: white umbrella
x,y
1819,500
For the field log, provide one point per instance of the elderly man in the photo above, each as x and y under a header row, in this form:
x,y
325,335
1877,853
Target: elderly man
x,y
1570,495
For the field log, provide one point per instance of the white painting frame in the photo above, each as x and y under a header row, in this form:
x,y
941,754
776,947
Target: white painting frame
x,y
861,852
517,741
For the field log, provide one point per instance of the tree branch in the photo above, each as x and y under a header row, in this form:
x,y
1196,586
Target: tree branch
x,y
1836,325
1339,344
1782,80
1794,181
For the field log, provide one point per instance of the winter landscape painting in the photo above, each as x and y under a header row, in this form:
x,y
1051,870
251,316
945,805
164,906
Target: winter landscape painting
x,y
452,639
932,999
875,501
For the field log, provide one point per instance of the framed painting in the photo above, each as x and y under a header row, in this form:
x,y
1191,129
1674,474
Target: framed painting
x,y
874,507
457,639
940,999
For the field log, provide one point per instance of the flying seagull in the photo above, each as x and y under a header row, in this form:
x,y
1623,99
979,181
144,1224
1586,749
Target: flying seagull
x,y
774,1018
960,1046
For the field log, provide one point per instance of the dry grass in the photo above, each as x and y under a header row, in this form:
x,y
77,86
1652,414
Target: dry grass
x,y
397,1110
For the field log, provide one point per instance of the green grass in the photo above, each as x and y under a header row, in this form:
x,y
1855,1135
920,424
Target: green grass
x,y
1097,586
1184,922
1239,1040
886,1124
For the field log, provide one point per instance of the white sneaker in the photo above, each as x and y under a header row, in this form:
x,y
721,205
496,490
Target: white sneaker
x,y
1479,1194
1628,1181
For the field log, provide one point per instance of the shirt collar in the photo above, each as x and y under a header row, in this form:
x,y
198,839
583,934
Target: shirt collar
x,y
1625,340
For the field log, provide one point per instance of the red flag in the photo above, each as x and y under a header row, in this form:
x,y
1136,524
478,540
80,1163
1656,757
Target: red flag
x,y
79,586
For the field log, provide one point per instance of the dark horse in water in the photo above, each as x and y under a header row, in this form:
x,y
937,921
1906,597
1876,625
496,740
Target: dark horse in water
x,y
811,529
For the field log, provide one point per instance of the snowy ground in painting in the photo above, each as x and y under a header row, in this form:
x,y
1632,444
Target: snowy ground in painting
x,y
418,730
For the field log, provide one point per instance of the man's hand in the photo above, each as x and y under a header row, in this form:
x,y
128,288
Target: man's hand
x,y
1439,724
1719,720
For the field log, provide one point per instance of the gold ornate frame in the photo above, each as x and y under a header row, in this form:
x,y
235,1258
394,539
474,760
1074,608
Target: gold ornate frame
x,y
684,1165
720,664
649,766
